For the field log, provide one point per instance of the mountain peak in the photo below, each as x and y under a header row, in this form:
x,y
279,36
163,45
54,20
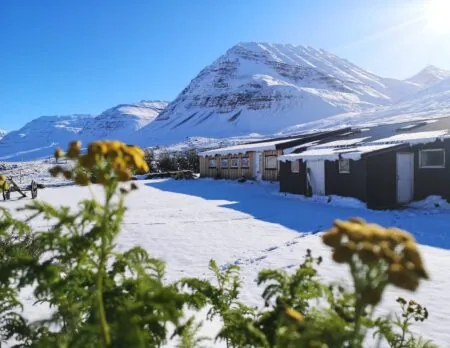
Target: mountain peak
x,y
429,76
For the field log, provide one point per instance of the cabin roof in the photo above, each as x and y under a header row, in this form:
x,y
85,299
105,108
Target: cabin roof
x,y
416,138
335,153
237,149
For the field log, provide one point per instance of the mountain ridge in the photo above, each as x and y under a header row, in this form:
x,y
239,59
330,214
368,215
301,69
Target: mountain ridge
x,y
252,90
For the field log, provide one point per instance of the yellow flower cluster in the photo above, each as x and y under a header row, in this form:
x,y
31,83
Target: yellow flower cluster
x,y
102,160
372,243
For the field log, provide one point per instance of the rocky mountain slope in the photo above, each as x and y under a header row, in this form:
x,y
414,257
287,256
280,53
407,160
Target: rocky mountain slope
x,y
263,88
253,90
39,137
122,121
429,76
2,133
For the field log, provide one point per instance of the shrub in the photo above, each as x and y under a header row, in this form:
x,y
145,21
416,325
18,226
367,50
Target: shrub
x,y
166,163
104,298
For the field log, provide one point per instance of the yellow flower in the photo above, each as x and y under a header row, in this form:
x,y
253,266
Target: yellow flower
x,y
388,253
124,175
369,253
344,253
74,149
332,237
400,235
59,153
87,161
293,314
136,150
81,179
402,277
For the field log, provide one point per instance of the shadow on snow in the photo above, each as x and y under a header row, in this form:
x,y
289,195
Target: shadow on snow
x,y
263,202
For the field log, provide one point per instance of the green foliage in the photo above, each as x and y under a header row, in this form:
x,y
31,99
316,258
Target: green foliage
x,y
397,332
100,297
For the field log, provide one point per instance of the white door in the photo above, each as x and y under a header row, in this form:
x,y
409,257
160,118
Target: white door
x,y
316,176
257,166
405,177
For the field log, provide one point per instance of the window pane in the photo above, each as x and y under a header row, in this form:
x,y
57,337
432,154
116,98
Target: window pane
x,y
344,166
271,162
212,163
224,163
432,158
234,163
295,166
245,162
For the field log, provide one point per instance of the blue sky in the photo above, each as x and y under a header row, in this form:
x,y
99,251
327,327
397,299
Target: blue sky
x,y
61,57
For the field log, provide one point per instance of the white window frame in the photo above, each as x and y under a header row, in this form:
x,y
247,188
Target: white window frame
x,y
267,158
297,169
421,152
212,163
234,163
341,170
245,159
224,160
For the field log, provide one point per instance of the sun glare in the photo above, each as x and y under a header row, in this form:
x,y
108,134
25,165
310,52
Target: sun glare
x,y
438,16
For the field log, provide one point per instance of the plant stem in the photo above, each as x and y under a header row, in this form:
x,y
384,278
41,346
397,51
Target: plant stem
x,y
101,307
359,305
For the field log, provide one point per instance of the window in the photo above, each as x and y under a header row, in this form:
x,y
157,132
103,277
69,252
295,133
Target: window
x,y
212,163
271,162
432,158
234,162
344,166
245,162
295,166
224,163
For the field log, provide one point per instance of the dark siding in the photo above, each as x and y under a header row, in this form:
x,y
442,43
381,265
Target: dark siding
x,y
352,184
292,182
382,180
432,181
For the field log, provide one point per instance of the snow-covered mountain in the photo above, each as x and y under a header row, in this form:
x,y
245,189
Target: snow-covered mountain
x,y
2,133
39,137
263,88
253,90
431,102
429,76
122,121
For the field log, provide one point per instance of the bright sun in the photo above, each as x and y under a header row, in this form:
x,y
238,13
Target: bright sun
x,y
437,14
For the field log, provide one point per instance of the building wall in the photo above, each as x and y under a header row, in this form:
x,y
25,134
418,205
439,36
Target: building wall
x,y
432,181
271,174
268,174
382,180
351,184
292,182
227,173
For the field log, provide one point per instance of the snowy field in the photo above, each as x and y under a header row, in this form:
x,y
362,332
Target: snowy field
x,y
187,223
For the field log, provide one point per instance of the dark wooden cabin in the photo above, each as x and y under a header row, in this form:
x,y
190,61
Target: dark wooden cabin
x,y
384,172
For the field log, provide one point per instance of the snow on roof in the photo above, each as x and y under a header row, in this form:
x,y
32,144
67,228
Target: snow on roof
x,y
237,149
341,143
302,146
415,138
333,154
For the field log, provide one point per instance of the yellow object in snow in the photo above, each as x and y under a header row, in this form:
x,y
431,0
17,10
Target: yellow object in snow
x,y
4,184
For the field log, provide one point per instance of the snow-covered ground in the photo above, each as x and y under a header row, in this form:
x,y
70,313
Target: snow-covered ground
x,y
186,223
